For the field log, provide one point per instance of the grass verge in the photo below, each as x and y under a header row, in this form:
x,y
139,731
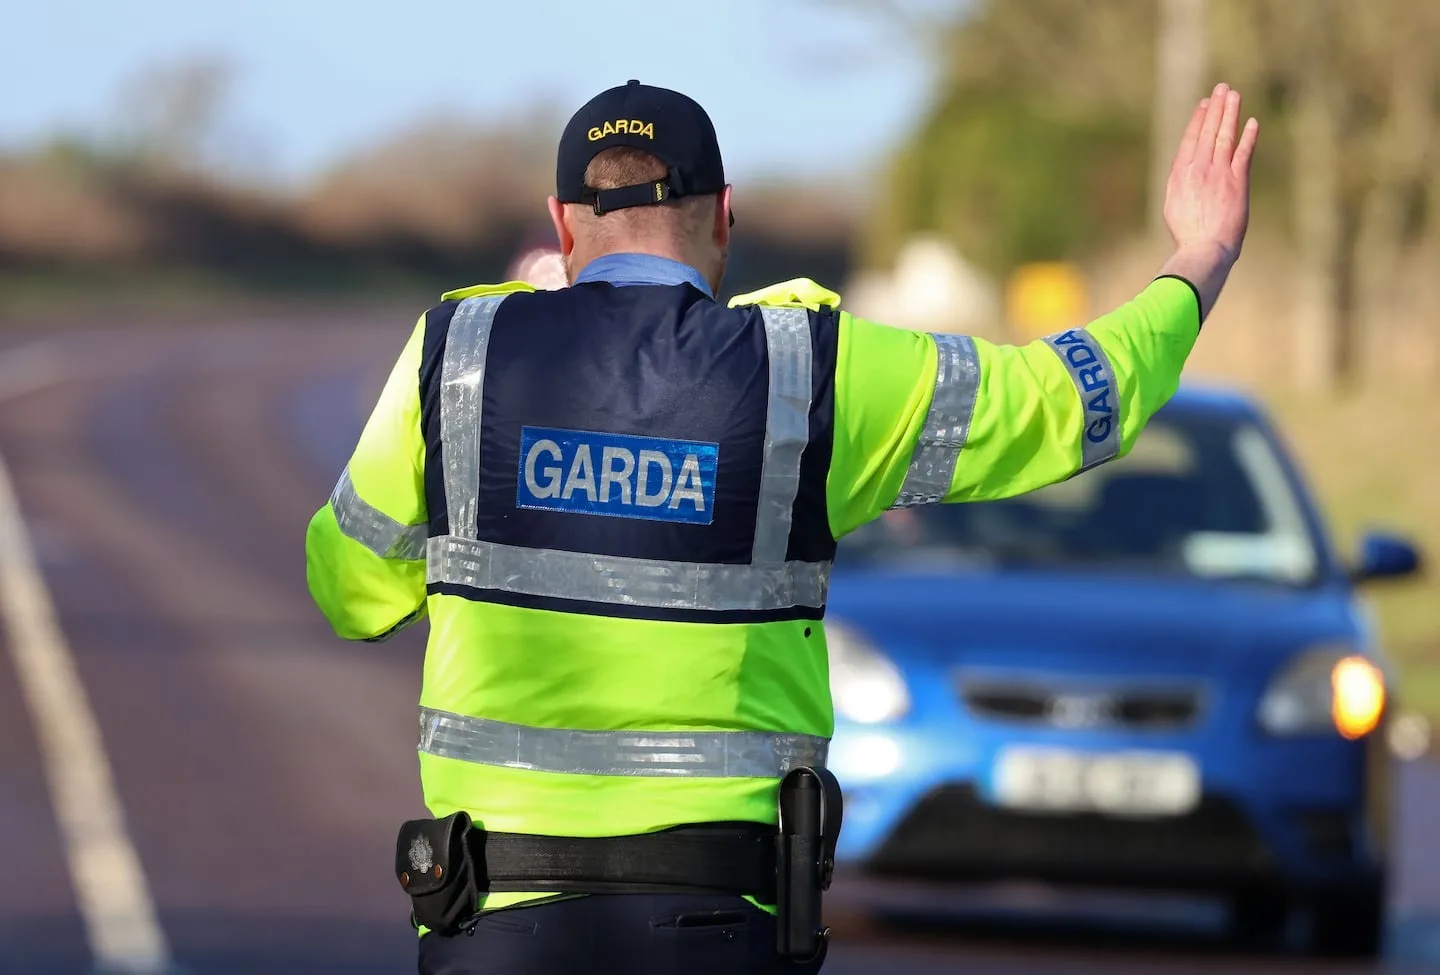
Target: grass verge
x,y
1373,458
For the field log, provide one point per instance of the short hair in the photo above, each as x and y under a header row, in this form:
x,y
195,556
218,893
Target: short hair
x,y
626,166
623,166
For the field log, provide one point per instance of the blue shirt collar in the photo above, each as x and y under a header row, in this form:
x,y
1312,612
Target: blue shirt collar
x,y
633,269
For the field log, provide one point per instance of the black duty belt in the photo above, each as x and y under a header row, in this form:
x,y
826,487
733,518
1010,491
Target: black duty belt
x,y
447,865
734,859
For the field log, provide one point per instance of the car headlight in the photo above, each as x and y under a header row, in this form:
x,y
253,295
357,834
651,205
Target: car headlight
x,y
1327,689
865,685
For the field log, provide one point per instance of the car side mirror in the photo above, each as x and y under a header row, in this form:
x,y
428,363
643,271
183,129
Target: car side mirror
x,y
1385,556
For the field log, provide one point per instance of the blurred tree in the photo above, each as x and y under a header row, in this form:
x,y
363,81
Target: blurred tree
x,y
1357,86
171,115
1009,180
1036,147
1182,62
450,182
1046,108
1083,57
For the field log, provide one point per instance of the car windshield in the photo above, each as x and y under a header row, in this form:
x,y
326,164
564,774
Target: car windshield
x,y
1200,494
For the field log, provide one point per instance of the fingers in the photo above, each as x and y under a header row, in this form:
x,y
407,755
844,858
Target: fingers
x,y
1225,138
1240,165
1205,151
1191,138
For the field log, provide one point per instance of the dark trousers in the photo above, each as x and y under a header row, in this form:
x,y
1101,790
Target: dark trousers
x,y
633,934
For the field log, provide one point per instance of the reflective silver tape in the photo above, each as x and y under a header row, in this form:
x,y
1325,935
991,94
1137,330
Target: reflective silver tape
x,y
462,392
372,527
787,429
957,382
713,754
1099,396
624,581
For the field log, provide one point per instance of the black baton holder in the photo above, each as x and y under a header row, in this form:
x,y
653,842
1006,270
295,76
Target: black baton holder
x,y
810,817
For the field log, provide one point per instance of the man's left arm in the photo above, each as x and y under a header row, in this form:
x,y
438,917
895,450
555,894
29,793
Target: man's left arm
x,y
365,550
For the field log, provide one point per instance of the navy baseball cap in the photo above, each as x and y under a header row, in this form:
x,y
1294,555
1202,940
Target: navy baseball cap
x,y
668,125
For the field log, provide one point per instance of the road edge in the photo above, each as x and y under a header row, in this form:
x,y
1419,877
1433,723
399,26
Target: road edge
x,y
109,882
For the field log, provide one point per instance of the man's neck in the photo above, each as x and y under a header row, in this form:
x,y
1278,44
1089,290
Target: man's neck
x,y
631,267
666,251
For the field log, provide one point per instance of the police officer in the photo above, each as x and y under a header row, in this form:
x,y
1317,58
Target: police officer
x,y
618,503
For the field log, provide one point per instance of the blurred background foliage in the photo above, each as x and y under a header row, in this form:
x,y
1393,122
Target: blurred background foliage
x,y
1047,118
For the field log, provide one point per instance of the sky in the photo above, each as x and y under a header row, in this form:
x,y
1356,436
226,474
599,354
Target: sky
x,y
795,87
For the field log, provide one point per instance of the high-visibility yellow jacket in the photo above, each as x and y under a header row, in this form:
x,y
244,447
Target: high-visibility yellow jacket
x,y
632,639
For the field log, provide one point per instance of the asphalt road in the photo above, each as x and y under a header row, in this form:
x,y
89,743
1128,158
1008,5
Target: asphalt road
x,y
165,477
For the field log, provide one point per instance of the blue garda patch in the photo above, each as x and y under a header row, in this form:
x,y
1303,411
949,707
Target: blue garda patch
x,y
1095,382
618,475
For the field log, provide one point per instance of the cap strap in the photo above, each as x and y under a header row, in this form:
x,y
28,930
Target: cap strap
x,y
636,195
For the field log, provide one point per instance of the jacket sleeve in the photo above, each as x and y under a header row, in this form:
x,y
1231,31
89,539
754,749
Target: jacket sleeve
x,y
365,549
945,418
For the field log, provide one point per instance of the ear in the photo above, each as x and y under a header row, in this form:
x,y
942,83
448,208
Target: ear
x,y
563,235
723,218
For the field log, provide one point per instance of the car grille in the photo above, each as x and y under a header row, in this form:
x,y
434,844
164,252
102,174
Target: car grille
x,y
1141,709
952,834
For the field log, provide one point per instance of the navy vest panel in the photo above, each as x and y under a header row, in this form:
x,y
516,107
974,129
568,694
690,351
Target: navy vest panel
x,y
810,538
432,357
662,363
629,422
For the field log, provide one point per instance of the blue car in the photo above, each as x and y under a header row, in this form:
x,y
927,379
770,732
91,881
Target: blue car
x,y
1154,675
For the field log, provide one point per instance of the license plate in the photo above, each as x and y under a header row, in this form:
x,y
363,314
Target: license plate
x,y
1138,783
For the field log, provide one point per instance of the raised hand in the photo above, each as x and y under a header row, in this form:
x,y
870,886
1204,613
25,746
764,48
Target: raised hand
x,y
1207,198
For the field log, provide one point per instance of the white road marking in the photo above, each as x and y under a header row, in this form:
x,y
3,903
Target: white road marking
x,y
110,886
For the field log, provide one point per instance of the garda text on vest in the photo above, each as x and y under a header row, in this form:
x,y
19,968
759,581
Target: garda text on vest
x,y
617,474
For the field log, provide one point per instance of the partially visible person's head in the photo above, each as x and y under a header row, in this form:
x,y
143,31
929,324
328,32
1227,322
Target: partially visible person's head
x,y
639,171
